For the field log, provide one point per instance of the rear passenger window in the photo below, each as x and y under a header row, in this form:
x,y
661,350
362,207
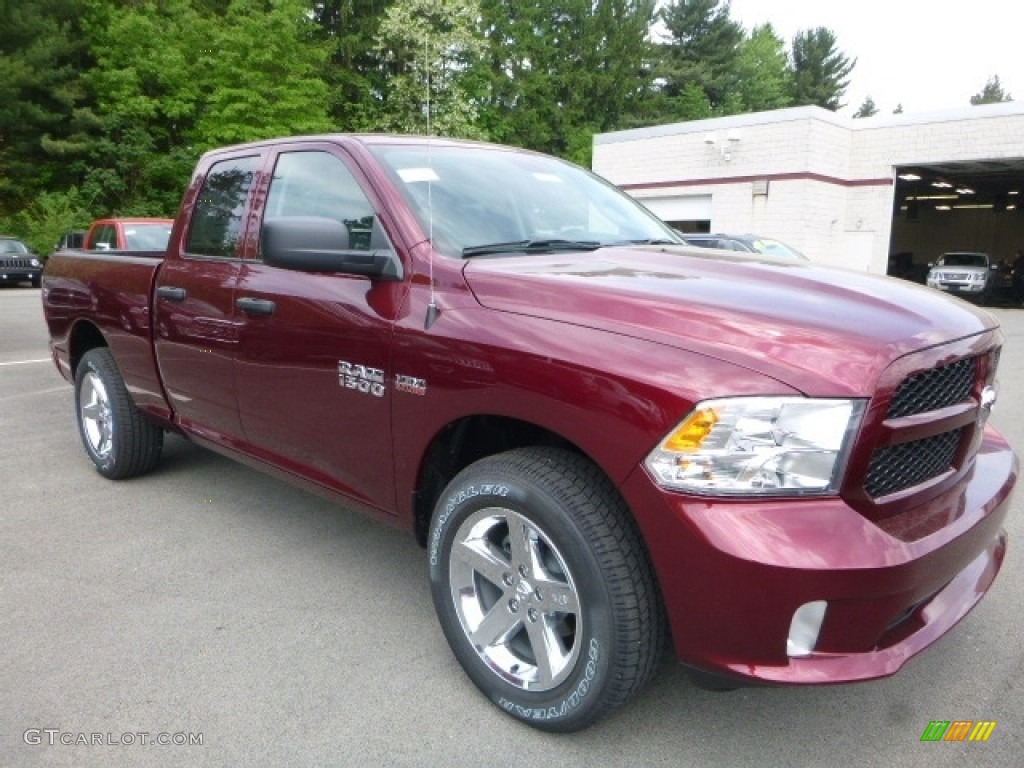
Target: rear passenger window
x,y
319,184
217,216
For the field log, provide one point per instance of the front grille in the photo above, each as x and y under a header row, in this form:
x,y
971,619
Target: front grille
x,y
15,263
896,467
933,389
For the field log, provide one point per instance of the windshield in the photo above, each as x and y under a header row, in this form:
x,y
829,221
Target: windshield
x,y
771,247
486,201
13,246
963,260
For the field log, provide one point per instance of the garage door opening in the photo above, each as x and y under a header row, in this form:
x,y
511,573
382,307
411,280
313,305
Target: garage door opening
x,y
967,206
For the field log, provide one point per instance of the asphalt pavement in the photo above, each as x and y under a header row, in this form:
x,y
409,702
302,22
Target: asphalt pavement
x,y
208,615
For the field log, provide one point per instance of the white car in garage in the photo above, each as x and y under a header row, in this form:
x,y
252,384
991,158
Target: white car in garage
x,y
968,274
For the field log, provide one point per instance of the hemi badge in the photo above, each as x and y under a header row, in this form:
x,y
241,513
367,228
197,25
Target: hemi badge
x,y
410,384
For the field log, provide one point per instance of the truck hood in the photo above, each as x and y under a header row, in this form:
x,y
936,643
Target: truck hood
x,y
825,332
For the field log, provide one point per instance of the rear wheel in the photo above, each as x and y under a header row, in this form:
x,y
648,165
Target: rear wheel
x,y
543,587
120,441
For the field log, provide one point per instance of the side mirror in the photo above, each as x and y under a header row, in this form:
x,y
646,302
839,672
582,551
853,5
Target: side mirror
x,y
318,244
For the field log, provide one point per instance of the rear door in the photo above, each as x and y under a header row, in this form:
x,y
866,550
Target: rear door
x,y
314,349
197,331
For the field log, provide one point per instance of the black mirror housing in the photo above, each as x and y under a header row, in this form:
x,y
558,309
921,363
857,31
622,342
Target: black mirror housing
x,y
319,244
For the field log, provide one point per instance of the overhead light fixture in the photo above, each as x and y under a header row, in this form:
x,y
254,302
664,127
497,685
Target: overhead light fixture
x,y
1013,192
941,184
965,191
943,208
933,197
910,177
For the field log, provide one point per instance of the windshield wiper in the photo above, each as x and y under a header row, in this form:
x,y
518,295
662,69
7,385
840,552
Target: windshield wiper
x,y
530,246
648,241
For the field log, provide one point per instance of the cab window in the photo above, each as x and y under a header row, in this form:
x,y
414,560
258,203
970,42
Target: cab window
x,y
217,216
315,183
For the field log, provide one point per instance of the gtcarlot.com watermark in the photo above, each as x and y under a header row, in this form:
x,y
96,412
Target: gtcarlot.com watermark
x,y
53,737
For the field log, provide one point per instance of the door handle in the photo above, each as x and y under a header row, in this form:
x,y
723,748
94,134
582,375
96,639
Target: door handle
x,y
256,306
170,293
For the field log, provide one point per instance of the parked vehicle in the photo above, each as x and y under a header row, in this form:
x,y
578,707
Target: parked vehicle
x,y
74,238
969,274
18,262
129,234
602,437
746,243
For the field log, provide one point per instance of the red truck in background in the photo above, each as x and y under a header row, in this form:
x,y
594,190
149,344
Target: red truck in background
x,y
602,437
119,234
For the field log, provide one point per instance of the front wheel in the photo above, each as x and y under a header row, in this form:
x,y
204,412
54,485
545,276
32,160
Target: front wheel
x,y
120,440
543,587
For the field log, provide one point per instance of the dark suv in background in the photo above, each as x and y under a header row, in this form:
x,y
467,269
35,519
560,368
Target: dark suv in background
x,y
19,263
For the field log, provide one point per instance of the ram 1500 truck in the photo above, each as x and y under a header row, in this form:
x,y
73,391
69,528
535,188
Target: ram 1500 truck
x,y
602,437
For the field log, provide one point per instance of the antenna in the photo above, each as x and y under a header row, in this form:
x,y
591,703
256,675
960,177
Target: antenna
x,y
432,309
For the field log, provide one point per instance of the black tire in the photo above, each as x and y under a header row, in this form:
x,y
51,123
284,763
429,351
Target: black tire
x,y
37,281
534,548
119,439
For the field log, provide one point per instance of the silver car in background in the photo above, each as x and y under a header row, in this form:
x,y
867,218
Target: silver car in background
x,y
968,274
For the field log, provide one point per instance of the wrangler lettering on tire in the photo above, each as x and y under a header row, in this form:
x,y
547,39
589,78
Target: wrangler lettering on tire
x,y
543,587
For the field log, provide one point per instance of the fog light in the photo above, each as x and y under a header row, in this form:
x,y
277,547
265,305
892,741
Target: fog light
x,y
804,629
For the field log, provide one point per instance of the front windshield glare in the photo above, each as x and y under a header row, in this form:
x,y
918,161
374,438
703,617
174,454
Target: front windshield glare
x,y
468,198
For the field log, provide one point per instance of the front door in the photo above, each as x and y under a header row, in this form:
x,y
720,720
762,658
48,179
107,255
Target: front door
x,y
314,353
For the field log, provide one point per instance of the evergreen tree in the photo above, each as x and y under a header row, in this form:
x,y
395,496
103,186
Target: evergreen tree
x,y
762,71
557,71
355,76
867,108
702,51
992,93
820,71
42,55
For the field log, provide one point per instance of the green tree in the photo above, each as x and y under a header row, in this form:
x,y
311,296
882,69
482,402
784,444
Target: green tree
x,y
42,56
899,109
261,68
820,70
992,93
702,51
354,75
431,48
557,71
146,88
762,71
867,108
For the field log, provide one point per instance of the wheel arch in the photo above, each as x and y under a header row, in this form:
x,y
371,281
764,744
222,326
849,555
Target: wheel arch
x,y
464,441
83,337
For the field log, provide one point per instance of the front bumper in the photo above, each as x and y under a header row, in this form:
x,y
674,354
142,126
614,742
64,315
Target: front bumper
x,y
20,274
959,288
734,572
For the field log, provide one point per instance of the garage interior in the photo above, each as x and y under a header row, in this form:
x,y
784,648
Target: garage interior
x,y
964,206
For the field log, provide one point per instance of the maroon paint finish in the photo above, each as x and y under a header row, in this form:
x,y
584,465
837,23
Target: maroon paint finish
x,y
608,350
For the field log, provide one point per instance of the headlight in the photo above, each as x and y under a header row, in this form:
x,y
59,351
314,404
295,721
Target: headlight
x,y
36,263
758,445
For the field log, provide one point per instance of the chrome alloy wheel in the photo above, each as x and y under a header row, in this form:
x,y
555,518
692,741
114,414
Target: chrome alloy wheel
x,y
95,414
515,599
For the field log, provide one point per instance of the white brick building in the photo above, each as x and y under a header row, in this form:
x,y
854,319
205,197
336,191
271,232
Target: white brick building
x,y
839,189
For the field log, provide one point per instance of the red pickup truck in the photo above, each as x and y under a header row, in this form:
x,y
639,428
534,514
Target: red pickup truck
x,y
603,438
141,234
